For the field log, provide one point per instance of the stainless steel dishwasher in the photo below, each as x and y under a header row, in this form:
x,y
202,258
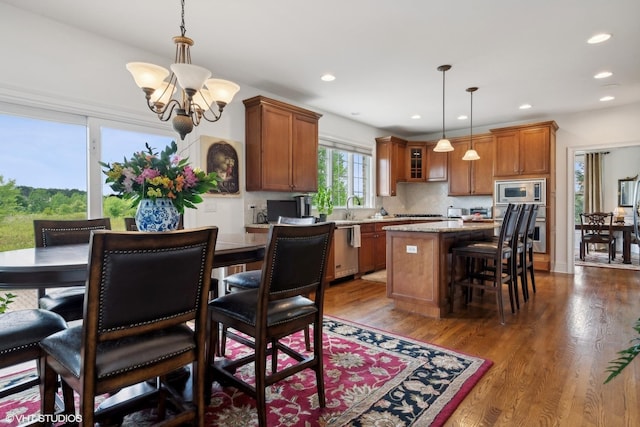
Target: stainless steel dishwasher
x,y
346,255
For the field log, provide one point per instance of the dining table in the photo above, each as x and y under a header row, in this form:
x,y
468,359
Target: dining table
x,y
67,265
626,228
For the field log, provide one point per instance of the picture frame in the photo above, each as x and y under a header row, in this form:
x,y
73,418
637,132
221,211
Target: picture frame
x,y
625,191
222,156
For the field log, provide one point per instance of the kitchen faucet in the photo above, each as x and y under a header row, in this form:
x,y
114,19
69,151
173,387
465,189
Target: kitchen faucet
x,y
349,214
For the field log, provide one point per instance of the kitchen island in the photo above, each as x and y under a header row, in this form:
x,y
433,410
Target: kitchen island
x,y
418,262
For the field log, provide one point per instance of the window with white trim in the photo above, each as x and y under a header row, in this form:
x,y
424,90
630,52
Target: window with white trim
x,y
347,171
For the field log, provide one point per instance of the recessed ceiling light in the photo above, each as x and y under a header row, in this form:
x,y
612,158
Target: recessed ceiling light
x,y
603,75
599,38
607,98
328,77
525,106
462,117
416,116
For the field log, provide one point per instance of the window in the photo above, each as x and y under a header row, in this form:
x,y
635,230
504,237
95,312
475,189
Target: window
x,y
49,169
43,172
117,144
578,171
346,173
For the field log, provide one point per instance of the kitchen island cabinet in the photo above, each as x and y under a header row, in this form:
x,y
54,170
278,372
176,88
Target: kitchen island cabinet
x,y
418,262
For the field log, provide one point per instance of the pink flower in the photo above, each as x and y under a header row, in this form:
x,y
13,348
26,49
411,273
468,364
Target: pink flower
x,y
147,174
190,178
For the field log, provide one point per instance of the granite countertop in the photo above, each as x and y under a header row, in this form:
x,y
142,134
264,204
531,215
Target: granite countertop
x,y
366,220
450,226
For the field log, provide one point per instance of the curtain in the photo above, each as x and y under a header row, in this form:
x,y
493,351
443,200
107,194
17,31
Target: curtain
x,y
593,182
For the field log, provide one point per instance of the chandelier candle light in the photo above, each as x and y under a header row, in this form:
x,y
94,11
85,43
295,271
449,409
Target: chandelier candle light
x,y
471,154
193,102
443,145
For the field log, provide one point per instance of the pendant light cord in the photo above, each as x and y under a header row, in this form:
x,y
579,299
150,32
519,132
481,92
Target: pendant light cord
x,y
443,72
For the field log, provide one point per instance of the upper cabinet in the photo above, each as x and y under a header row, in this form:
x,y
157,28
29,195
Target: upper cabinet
x,y
524,150
423,164
475,177
281,146
390,164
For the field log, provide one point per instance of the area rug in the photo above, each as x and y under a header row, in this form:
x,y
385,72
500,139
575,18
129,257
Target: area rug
x,y
378,276
601,259
372,377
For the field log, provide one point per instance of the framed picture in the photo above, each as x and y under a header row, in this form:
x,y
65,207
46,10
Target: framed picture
x,y
221,156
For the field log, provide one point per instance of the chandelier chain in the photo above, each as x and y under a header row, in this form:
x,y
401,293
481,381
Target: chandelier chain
x,y
183,29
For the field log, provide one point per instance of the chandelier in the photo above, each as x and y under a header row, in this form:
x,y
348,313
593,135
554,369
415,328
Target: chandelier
x,y
471,154
444,144
192,101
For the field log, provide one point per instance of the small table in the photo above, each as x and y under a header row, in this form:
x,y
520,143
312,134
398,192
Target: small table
x,y
626,229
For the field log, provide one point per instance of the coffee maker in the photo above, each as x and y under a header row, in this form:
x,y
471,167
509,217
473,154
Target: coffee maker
x,y
303,206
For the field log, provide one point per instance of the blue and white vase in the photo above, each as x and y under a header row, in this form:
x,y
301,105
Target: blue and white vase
x,y
157,215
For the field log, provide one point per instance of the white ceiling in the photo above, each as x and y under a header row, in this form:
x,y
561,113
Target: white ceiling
x,y
385,53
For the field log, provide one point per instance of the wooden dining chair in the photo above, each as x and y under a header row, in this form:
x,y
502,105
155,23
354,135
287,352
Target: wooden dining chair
x,y
595,228
246,280
20,334
67,302
122,342
294,268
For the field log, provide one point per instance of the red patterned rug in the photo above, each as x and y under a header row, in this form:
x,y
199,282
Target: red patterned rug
x,y
372,377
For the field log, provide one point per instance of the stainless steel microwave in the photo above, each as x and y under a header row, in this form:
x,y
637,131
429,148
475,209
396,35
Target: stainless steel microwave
x,y
520,191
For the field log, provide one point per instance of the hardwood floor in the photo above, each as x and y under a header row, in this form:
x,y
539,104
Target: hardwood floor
x,y
549,358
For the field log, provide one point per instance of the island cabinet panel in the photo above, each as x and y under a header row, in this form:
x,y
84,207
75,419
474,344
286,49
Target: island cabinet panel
x,y
418,266
390,164
281,146
415,271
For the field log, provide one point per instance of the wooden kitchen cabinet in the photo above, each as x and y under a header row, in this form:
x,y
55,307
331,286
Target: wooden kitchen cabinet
x,y
437,164
366,252
281,146
372,255
416,161
390,161
475,177
424,164
524,150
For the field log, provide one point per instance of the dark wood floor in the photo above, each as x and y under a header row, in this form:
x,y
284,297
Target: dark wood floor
x,y
549,358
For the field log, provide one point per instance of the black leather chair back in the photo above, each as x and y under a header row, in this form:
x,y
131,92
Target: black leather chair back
x,y
141,281
296,260
67,232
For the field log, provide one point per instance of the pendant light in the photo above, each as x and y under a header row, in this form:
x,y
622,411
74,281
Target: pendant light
x,y
443,145
471,154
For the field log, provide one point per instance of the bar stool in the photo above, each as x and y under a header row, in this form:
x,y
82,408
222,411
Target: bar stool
x,y
529,237
487,253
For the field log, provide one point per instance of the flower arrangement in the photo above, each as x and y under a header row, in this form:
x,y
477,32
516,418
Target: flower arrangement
x,y
149,175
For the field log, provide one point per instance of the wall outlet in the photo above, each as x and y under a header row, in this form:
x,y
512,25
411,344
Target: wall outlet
x,y
412,249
